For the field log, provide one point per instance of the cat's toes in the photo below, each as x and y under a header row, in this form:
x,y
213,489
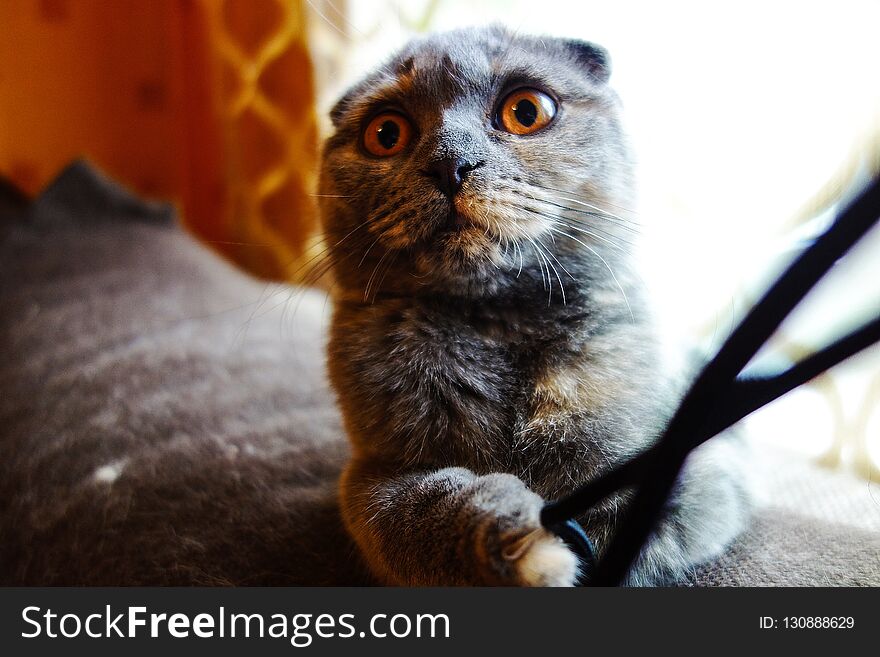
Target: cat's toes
x,y
512,546
541,559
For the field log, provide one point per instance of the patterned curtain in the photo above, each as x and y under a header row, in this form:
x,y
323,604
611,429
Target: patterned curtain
x,y
207,102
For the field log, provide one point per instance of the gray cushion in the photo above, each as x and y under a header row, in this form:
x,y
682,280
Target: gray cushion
x,y
161,419
165,419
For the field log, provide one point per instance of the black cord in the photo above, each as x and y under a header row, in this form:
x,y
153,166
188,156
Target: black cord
x,y
576,538
750,394
747,396
718,398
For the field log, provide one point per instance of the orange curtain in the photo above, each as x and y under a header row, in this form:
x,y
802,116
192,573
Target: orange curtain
x,y
209,103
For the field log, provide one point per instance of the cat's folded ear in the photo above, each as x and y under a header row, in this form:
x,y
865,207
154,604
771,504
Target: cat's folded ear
x,y
345,104
349,101
594,59
342,106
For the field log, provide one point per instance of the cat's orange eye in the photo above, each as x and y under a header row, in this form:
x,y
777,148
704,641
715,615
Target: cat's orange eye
x,y
526,111
387,134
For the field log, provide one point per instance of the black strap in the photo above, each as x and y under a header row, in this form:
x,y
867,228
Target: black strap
x,y
576,538
718,398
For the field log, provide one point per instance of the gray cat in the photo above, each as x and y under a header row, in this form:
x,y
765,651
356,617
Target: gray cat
x,y
491,345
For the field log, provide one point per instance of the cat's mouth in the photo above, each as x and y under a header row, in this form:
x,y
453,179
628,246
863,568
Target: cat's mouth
x,y
459,220
461,239
456,221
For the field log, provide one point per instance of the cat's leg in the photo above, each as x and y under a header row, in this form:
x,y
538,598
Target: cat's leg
x,y
709,507
452,527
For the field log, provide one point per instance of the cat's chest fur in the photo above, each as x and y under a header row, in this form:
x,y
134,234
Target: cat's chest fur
x,y
477,385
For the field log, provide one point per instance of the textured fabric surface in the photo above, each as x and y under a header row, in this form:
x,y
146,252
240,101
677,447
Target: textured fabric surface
x,y
812,527
782,548
789,482
162,420
165,419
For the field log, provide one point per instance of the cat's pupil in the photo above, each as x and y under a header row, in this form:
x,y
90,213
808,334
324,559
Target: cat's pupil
x,y
525,112
388,134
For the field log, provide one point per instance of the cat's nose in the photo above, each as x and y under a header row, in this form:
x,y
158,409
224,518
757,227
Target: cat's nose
x,y
450,172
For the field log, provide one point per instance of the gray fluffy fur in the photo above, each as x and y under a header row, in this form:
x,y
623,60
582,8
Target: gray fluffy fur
x,y
485,369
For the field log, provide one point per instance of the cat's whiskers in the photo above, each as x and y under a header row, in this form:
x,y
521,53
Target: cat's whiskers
x,y
580,201
517,247
388,268
592,208
367,252
488,252
321,268
373,275
555,271
611,241
324,259
555,220
597,233
504,245
500,235
540,262
580,215
521,258
317,272
601,235
607,266
321,255
553,217
542,258
332,24
568,273
317,266
382,218
594,211
588,216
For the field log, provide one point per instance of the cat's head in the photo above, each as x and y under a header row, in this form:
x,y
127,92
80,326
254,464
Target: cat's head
x,y
474,161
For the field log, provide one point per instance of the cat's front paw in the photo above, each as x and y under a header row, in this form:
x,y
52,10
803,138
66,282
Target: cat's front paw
x,y
541,559
513,548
